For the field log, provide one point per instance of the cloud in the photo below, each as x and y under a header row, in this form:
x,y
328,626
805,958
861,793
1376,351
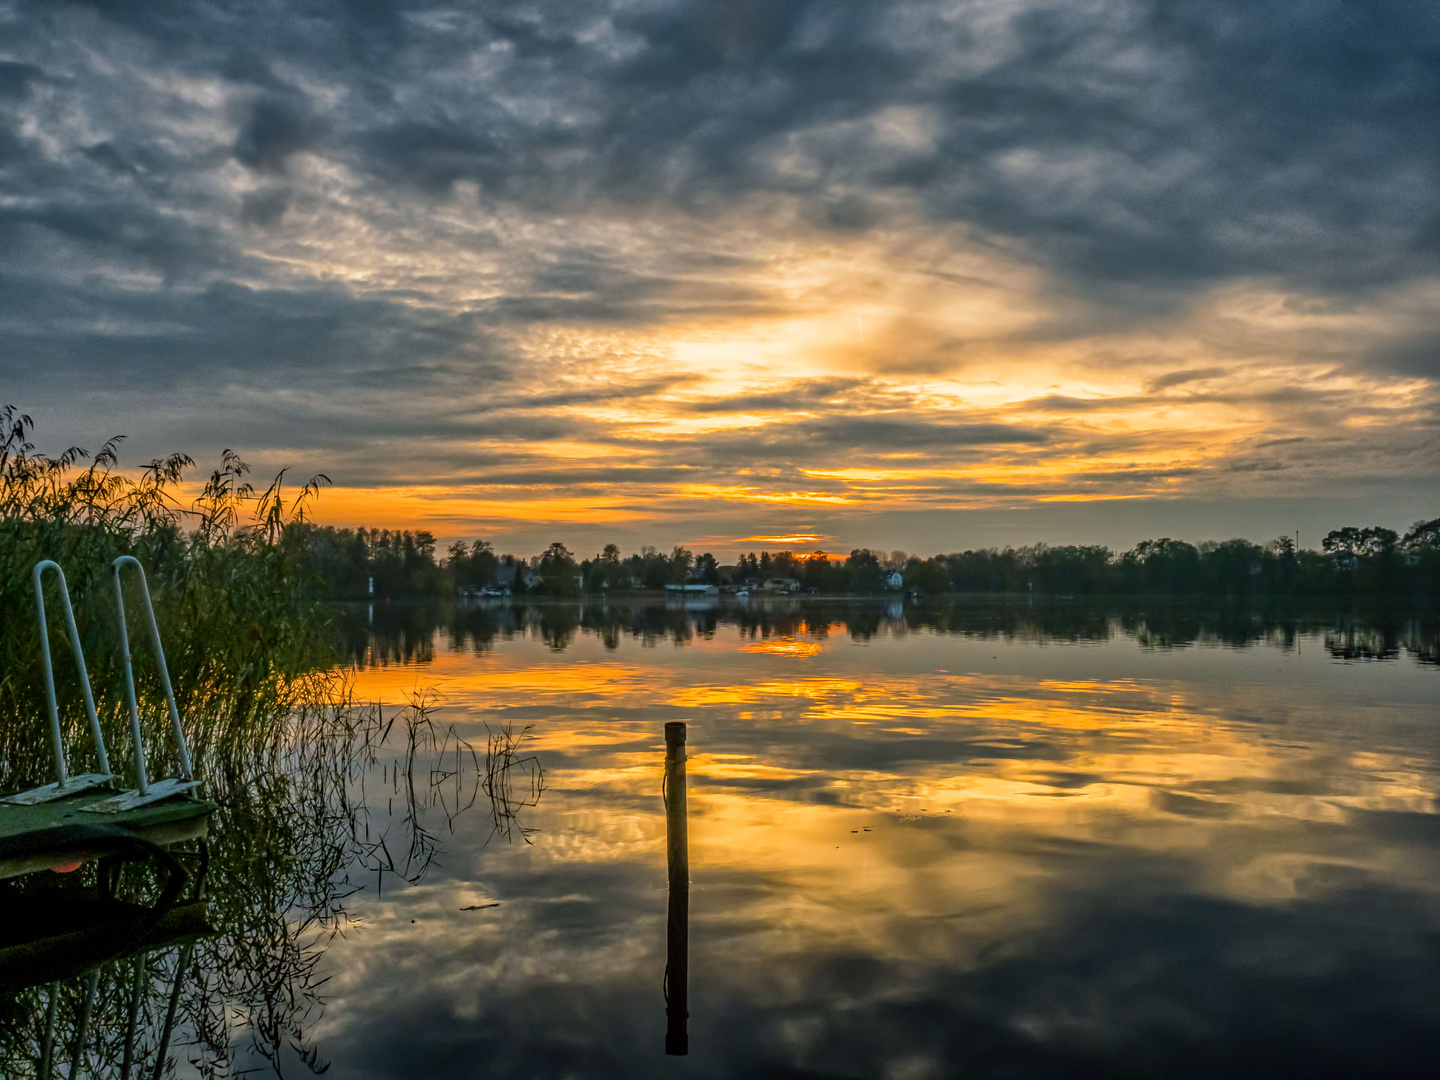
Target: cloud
x,y
228,330
264,207
846,433
1122,141
105,155
1064,403
1138,145
16,79
274,130
809,393
1415,353
406,240
1180,378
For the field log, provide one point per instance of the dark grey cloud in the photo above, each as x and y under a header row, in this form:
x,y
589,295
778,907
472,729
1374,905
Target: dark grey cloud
x,y
434,154
274,129
1292,440
806,393
105,155
826,438
1129,142
265,207
12,147
167,170
224,330
569,398
870,432
1139,475
1281,395
1064,403
15,79
1416,353
575,480
594,286
1180,378
1125,142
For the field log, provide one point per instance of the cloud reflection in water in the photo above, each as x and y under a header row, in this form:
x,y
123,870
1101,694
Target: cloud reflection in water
x,y
941,855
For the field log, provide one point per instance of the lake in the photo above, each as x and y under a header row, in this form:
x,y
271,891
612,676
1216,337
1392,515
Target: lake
x,y
964,839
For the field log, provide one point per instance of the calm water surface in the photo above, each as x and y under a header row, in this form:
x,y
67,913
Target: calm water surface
x,y
917,853
974,840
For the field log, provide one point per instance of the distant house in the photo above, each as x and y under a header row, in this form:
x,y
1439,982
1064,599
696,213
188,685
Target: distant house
x,y
505,575
895,581
779,585
531,579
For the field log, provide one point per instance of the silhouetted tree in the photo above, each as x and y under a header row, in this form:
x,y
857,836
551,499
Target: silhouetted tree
x,y
558,571
707,570
1164,566
863,568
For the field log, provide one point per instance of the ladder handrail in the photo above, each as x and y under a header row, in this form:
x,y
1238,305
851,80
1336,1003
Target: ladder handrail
x,y
57,741
186,770
144,781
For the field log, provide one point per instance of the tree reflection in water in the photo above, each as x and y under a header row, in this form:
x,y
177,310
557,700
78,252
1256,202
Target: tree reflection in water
x,y
403,635
318,802
301,827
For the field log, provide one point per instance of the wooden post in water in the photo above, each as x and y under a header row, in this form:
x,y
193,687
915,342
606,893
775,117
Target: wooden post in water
x,y
677,927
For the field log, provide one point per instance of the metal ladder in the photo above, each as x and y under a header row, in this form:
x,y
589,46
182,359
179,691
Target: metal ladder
x,y
67,785
163,789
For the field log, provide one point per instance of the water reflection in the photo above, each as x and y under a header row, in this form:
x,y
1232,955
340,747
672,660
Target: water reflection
x,y
1020,841
999,841
341,800
407,634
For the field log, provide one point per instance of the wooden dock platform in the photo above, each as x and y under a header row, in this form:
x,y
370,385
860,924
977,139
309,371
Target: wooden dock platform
x,y
60,832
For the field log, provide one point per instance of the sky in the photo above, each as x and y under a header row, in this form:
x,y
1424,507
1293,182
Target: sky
x,y
742,273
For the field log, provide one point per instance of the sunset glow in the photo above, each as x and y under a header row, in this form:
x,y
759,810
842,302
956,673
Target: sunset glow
x,y
720,538
856,314
1133,737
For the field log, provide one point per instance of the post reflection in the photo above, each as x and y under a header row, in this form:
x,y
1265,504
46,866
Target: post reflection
x,y
677,925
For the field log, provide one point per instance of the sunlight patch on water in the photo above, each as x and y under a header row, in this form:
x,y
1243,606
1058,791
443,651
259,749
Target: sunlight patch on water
x,y
784,647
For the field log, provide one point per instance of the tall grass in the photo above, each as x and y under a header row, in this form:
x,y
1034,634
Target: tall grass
x,y
297,767
338,797
242,622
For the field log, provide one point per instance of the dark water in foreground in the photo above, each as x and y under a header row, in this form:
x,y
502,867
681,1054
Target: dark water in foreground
x,y
999,842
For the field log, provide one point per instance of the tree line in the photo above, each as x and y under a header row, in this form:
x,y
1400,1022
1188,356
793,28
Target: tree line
x,y
212,567
396,564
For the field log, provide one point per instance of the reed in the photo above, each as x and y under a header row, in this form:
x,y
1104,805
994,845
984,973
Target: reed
x,y
243,623
338,796
280,743
513,780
